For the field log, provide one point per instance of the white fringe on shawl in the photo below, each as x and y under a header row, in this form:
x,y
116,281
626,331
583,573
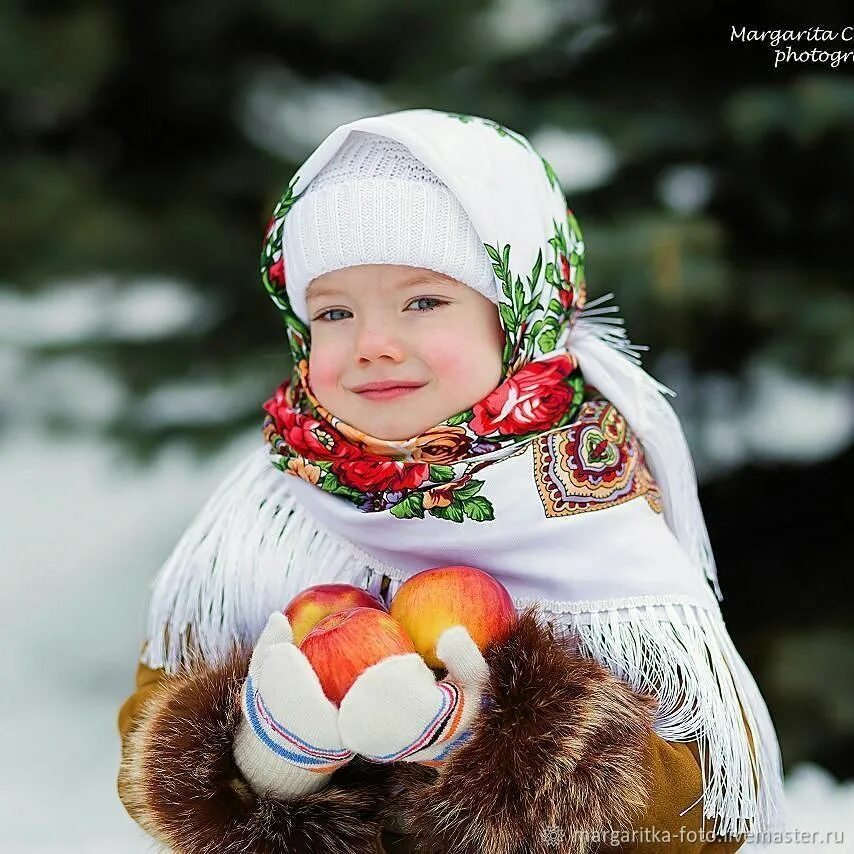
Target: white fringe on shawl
x,y
253,547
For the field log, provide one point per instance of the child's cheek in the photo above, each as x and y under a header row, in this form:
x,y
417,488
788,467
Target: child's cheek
x,y
323,370
450,359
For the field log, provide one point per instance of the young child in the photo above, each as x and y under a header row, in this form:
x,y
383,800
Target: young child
x,y
453,401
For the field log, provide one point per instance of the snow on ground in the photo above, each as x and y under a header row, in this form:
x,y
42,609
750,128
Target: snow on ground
x,y
82,534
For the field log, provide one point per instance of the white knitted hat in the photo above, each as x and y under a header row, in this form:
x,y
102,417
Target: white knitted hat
x,y
375,203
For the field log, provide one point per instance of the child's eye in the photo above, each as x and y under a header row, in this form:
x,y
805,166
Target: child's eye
x,y
323,314
436,303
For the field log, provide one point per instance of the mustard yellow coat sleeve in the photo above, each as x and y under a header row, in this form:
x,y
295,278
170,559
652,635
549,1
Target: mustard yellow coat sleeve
x,y
146,681
676,784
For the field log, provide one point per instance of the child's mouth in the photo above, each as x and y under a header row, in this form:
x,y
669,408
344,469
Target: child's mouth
x,y
388,393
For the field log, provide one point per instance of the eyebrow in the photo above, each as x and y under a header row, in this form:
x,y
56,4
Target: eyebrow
x,y
415,280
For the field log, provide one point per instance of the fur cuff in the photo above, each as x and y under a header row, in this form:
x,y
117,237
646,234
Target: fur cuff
x,y
559,757
180,781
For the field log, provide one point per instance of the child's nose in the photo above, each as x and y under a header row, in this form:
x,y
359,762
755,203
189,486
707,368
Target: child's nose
x,y
377,340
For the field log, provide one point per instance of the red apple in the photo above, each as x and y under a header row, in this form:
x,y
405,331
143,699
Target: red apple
x,y
344,644
308,608
435,599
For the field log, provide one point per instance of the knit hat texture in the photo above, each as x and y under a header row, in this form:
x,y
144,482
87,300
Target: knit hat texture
x,y
375,203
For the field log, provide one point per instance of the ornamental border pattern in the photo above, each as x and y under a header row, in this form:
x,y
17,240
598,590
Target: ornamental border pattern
x,y
565,491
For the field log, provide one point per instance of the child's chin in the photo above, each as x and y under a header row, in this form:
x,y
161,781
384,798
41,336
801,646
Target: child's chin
x,y
391,428
393,432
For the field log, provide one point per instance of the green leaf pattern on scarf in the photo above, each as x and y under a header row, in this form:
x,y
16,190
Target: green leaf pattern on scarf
x,y
532,325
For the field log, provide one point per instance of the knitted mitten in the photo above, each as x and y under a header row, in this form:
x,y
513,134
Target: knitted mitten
x,y
396,711
287,743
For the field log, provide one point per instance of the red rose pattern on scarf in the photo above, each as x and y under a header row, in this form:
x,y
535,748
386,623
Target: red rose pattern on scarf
x,y
532,399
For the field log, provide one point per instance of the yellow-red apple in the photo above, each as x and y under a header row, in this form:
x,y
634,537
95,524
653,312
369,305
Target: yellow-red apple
x,y
344,644
308,608
435,599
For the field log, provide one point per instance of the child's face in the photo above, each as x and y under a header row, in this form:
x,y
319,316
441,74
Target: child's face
x,y
378,322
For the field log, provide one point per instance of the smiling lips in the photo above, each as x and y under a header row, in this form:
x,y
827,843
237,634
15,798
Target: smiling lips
x,y
386,389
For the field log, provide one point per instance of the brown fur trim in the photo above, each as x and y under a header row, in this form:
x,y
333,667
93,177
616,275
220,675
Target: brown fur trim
x,y
180,781
559,758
